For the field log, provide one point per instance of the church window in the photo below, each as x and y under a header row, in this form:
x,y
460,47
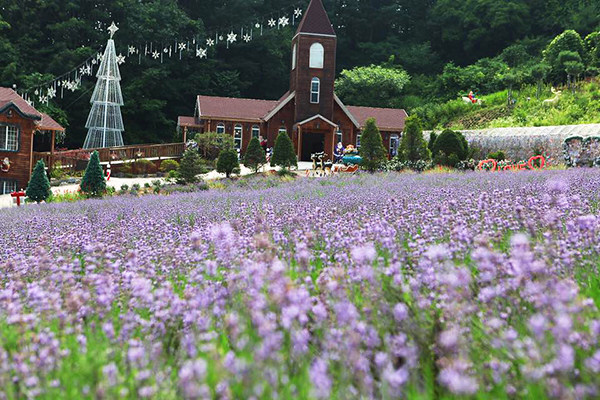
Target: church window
x,y
315,89
358,141
317,53
237,136
338,136
294,57
255,131
283,129
221,128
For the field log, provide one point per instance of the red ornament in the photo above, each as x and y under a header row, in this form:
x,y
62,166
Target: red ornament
x,y
18,196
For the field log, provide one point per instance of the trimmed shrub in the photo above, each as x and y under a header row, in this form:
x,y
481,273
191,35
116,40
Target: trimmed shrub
x,y
38,188
255,155
168,166
372,152
413,147
191,166
93,183
569,40
228,162
448,143
497,155
284,155
432,138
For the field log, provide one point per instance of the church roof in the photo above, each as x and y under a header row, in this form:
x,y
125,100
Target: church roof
x,y
315,20
233,108
387,119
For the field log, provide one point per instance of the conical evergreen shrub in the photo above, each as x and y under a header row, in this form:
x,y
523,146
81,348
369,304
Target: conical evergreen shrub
x,y
38,188
255,155
372,152
228,162
284,155
412,146
93,183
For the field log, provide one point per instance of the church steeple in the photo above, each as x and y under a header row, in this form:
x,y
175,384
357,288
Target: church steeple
x,y
313,64
315,20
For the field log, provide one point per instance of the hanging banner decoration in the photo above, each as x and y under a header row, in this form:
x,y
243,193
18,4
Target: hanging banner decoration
x,y
72,80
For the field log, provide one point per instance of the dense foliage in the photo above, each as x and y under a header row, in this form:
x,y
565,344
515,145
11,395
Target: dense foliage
x,y
191,166
394,286
228,162
372,152
38,188
43,39
412,145
284,155
93,183
255,156
449,148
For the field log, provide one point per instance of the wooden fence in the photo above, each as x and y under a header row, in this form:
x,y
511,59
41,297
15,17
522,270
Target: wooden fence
x,y
70,159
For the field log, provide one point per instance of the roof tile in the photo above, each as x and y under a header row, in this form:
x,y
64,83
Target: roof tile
x,y
386,118
316,20
228,107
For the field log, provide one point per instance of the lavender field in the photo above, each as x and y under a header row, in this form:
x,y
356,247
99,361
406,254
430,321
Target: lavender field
x,y
441,286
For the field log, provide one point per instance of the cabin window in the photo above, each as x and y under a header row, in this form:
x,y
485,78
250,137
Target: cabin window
x,y
255,131
221,128
9,138
394,144
358,141
317,54
7,187
237,136
338,136
315,88
294,56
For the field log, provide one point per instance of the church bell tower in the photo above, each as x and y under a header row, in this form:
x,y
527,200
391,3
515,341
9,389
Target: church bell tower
x,y
313,64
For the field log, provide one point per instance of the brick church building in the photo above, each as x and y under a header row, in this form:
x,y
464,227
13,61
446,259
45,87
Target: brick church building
x,y
310,112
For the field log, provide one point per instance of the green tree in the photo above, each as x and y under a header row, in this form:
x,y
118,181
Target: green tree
x,y
412,146
573,70
38,188
450,143
372,152
432,138
592,45
211,144
93,183
283,152
510,80
538,73
255,155
373,86
191,166
228,162
569,40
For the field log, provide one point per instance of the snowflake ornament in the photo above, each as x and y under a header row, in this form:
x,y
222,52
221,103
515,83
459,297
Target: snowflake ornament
x,y
201,53
182,46
112,29
272,22
82,70
44,99
51,93
155,54
246,38
284,21
120,59
297,12
99,56
64,83
232,37
131,50
210,42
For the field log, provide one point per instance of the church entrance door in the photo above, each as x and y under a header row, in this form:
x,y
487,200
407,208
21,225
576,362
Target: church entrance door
x,y
312,143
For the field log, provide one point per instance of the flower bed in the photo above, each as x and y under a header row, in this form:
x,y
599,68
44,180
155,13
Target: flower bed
x,y
383,286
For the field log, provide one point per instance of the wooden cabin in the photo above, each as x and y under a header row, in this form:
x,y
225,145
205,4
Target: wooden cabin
x,y
19,123
310,112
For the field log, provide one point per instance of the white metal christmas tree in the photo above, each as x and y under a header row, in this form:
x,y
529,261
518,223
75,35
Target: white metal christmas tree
x,y
105,122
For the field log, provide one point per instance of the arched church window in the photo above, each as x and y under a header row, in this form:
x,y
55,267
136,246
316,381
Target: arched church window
x,y
282,129
237,136
315,89
255,131
294,57
221,128
317,53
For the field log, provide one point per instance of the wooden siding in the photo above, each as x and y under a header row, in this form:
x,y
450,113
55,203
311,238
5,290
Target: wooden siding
x,y
20,161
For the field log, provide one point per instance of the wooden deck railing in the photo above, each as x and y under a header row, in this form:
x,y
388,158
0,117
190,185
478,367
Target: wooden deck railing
x,y
69,159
